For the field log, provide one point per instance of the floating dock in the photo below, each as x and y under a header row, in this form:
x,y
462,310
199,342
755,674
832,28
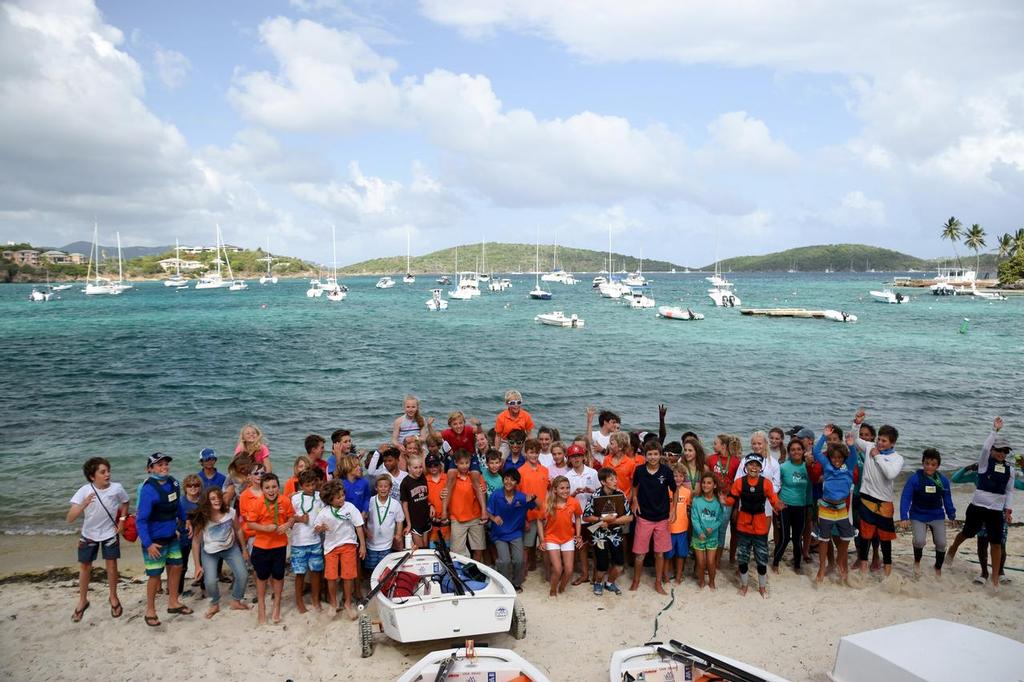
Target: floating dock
x,y
783,312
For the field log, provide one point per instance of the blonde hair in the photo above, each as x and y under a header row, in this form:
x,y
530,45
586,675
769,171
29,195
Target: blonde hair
x,y
258,442
513,395
764,439
553,498
621,440
346,465
453,415
301,458
734,447
418,418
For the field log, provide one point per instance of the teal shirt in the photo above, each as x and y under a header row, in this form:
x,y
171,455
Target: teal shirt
x,y
796,484
706,516
493,481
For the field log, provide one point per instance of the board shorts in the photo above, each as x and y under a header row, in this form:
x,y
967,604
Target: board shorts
x,y
307,558
645,530
88,549
560,546
991,520
680,546
170,555
374,557
340,562
833,519
876,518
268,563
468,533
709,543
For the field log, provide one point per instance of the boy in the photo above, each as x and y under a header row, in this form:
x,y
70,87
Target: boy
x,y
513,418
534,482
679,529
507,509
389,467
653,501
314,446
608,423
992,502
925,494
208,474
344,542
457,436
515,457
752,523
384,531
157,518
882,464
414,495
834,507
492,472
307,549
104,508
609,558
270,520
468,509
617,458
544,437
437,483
341,446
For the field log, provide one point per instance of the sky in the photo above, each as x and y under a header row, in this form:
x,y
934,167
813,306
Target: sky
x,y
685,130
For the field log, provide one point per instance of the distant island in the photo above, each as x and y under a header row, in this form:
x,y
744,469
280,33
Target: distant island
x,y
840,258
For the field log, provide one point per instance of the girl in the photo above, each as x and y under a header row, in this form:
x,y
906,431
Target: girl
x,y
291,486
238,479
724,464
560,533
219,538
559,466
692,463
795,493
776,438
415,498
409,424
707,515
250,442
193,486
617,459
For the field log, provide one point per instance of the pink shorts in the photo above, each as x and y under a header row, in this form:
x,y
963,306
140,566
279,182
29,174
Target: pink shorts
x,y
647,529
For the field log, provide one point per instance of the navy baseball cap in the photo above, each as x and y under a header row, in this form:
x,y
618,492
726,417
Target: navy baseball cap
x,y
158,457
207,453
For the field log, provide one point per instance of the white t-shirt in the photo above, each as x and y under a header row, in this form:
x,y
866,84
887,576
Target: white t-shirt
x,y
396,484
303,534
599,438
547,459
219,536
96,524
555,470
382,520
341,525
586,479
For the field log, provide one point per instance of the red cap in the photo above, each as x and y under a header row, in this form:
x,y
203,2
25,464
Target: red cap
x,y
575,449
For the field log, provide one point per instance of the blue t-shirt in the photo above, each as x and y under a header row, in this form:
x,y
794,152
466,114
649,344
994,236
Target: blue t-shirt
x,y
358,493
216,481
795,482
514,464
493,481
513,515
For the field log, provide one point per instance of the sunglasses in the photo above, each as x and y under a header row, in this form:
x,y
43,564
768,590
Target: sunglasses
x,y
515,442
514,402
194,485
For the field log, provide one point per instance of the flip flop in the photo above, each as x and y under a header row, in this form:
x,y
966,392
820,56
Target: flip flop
x,y
76,617
152,621
181,610
116,610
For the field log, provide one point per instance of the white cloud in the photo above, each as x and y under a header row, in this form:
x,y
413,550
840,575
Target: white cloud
x,y
259,155
741,140
172,66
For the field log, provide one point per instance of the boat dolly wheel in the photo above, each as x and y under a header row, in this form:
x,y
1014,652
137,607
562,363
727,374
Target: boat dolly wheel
x,y
518,621
365,635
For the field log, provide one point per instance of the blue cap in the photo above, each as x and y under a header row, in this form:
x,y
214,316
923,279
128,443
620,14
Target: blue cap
x,y
207,453
805,433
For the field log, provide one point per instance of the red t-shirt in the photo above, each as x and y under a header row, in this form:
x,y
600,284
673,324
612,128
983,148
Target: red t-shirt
x,y
724,471
460,441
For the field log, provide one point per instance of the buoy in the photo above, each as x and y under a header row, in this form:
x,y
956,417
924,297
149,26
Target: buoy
x,y
964,325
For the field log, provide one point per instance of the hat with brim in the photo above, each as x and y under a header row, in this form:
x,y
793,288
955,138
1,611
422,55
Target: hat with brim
x,y
575,449
1001,444
753,459
158,457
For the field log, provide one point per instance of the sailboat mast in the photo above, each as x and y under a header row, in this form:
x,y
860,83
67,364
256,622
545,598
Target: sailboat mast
x,y
268,255
177,258
407,253
334,253
92,250
120,269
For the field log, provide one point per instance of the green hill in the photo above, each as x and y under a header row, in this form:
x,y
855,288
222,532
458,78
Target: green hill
x,y
840,258
503,258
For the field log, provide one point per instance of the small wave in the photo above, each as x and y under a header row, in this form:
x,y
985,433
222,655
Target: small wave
x,y
38,531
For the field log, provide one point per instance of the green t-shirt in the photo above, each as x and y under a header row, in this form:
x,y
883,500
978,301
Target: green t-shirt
x,y
493,481
796,484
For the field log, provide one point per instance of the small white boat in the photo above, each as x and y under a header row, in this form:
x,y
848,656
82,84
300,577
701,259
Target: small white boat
x,y
987,295
270,277
336,295
675,661
385,283
61,287
97,286
435,302
461,294
613,288
214,280
315,290
887,296
238,285
176,281
839,316
334,291
929,650
539,294
473,663
598,281
499,285
558,319
38,296
677,313
944,289
724,296
638,299
444,280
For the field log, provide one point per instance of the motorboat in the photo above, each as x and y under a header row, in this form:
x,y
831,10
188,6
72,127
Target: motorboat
x,y
61,287
483,276
238,285
987,295
430,594
558,319
723,295
336,295
598,281
385,283
435,302
887,296
839,316
176,281
503,284
270,277
928,650
637,299
461,294
316,289
945,289
675,661
98,285
677,313
444,280
470,285
473,663
38,296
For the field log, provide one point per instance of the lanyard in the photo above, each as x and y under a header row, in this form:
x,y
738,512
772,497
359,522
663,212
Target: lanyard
x,y
376,509
334,511
276,501
302,503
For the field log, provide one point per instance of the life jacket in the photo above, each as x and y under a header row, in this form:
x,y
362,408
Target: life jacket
x,y
752,497
993,480
166,506
928,493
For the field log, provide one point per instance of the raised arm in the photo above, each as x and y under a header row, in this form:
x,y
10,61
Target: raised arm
x,y
662,431
589,427
986,448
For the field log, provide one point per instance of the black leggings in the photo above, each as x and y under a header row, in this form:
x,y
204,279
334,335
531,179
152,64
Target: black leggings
x,y
884,545
792,529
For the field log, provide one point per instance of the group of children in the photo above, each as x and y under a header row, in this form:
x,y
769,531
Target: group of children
x,y
525,501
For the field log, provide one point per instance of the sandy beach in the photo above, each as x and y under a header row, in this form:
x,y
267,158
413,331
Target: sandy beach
x,y
794,633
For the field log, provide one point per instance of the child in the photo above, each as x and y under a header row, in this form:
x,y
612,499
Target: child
x,y
414,496
389,467
882,464
513,418
706,516
679,528
492,472
103,506
302,462
583,482
992,503
752,523
410,423
219,539
341,447
507,509
834,507
457,436
467,506
515,457
193,486
270,521
384,531
437,482
653,501
618,459
307,549
608,423
559,465
157,518
925,494
208,473
795,494
314,446
776,437
534,482
546,440
342,526
357,488
692,464
482,445
723,466
609,558
250,442
560,534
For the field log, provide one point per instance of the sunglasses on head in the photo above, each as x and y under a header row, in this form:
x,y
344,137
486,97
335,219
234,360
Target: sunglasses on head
x,y
514,402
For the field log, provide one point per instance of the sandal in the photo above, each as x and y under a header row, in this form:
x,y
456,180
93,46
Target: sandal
x,y
116,610
152,621
181,610
76,617
579,580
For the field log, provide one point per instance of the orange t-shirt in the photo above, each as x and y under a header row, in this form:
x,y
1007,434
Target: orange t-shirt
x,y
757,523
506,423
623,472
291,486
434,490
463,506
264,513
535,482
560,527
247,499
682,522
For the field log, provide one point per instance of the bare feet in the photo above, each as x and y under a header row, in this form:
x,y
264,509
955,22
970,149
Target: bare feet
x,y
775,569
763,591
552,592
743,591
711,584
351,613
300,607
634,586
679,580
239,606
214,610
820,578
658,588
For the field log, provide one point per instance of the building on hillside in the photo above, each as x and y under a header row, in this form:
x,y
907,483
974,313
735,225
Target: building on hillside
x,y
7,254
26,257
199,250
55,257
169,264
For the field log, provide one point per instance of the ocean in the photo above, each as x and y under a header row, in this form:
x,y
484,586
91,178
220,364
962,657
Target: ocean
x,y
177,371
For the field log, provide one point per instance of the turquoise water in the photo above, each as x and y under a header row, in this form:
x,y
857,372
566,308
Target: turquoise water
x,y
158,369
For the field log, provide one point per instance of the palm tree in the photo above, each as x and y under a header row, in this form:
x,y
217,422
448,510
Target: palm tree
x,y
952,230
974,239
1018,242
1005,245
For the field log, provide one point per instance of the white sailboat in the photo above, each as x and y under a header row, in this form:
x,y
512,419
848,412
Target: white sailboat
x,y
463,291
40,296
335,292
483,276
612,287
270,277
214,280
557,274
99,285
176,280
435,302
409,277
538,293
636,279
120,284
